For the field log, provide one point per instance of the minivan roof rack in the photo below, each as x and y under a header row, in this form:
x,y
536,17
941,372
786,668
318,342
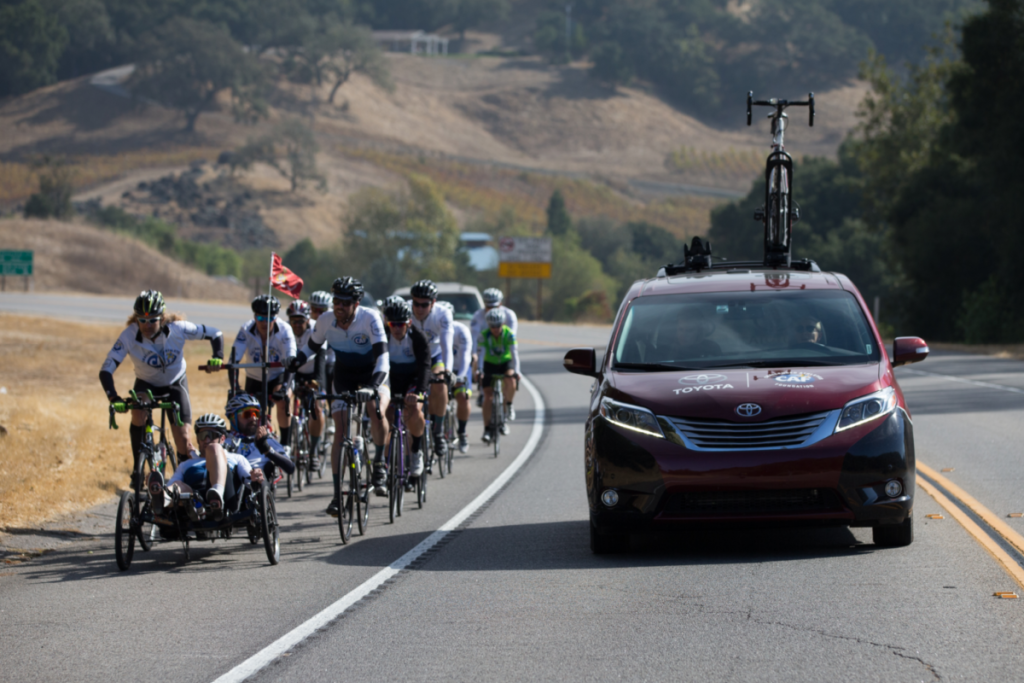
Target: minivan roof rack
x,y
697,257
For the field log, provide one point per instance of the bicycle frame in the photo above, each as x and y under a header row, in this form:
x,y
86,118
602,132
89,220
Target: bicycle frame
x,y
779,212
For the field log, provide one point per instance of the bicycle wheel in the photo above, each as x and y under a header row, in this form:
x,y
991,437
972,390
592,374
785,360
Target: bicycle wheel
x,y
421,489
124,539
296,443
394,485
307,453
346,501
496,413
268,526
326,444
143,531
361,495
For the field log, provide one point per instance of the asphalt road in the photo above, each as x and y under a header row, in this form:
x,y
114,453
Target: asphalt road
x,y
514,593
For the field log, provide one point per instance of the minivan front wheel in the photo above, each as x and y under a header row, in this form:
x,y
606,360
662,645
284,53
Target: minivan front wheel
x,y
894,535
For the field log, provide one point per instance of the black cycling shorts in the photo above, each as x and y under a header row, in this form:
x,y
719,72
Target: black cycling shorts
x,y
492,369
351,381
254,387
401,383
177,392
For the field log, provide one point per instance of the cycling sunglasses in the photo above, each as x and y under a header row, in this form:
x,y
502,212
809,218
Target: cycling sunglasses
x,y
209,435
154,319
262,318
422,304
396,324
344,302
249,412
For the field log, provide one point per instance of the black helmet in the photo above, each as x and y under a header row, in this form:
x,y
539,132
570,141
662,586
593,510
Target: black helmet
x,y
267,305
347,288
424,289
149,303
396,310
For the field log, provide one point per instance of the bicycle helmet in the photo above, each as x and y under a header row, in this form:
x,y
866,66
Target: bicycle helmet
x,y
495,317
424,289
298,309
239,402
149,303
493,297
396,310
267,305
348,288
446,305
211,421
320,299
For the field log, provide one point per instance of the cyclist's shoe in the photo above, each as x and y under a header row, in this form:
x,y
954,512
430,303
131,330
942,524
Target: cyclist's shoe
x,y
480,400
463,443
511,412
488,435
332,509
380,478
505,429
314,464
215,504
156,491
416,464
135,475
440,446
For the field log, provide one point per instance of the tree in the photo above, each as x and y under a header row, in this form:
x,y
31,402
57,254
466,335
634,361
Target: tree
x,y
54,197
185,63
290,148
90,35
559,221
31,43
332,51
467,14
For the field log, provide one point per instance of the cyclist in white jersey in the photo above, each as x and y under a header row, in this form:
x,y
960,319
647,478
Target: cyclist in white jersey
x,y
311,375
436,324
492,297
356,334
319,303
462,352
265,328
155,341
409,376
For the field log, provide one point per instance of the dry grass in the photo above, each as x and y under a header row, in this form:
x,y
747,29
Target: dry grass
x,y
18,180
57,455
489,190
734,167
79,257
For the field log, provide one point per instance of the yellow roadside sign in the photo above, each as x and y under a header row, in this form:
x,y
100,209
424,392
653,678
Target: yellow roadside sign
x,y
539,271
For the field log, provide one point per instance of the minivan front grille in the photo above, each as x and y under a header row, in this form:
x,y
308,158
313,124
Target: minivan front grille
x,y
752,502
784,432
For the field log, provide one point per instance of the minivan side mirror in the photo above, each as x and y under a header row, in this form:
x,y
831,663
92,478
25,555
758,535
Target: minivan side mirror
x,y
581,362
906,350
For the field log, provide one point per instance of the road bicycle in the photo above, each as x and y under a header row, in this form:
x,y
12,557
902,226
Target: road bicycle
x,y
134,516
303,402
397,458
779,211
451,423
499,410
353,487
444,459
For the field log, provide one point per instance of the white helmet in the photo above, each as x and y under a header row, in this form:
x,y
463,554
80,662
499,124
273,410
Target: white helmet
x,y
211,421
321,299
495,317
493,296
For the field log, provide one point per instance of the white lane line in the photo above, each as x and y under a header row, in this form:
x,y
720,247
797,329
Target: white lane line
x,y
960,380
268,654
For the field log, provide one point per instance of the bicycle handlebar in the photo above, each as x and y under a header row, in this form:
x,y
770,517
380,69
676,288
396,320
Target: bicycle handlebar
x,y
237,366
780,106
352,397
151,404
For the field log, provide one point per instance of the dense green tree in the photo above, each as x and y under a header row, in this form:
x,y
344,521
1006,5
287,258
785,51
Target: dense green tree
x,y
467,14
31,44
330,51
185,63
559,220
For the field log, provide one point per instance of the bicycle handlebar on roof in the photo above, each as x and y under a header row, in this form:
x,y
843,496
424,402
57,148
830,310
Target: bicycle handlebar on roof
x,y
779,105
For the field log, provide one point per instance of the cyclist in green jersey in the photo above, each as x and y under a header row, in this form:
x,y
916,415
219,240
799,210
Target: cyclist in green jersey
x,y
498,355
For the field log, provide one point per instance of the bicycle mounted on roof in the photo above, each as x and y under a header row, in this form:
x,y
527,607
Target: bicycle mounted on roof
x,y
779,211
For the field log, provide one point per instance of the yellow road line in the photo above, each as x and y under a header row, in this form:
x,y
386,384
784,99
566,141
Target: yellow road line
x,y
1000,527
1000,555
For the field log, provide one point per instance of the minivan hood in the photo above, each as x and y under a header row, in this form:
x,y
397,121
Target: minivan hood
x,y
716,394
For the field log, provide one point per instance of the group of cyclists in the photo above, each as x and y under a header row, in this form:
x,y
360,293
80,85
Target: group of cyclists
x,y
412,350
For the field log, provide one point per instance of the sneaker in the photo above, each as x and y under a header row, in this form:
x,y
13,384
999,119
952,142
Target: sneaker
x,y
380,478
505,429
416,464
332,509
488,437
511,412
215,504
156,491
463,443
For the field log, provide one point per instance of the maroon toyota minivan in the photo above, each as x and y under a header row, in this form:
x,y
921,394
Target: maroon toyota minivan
x,y
735,395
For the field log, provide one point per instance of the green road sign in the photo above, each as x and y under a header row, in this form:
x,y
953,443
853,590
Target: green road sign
x,y
15,262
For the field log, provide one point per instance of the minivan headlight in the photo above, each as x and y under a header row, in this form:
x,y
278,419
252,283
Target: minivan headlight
x,y
631,417
867,408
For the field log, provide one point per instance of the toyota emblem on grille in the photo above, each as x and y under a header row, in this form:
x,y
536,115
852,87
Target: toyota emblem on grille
x,y
748,409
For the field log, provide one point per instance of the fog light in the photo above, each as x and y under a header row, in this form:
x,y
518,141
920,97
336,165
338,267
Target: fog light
x,y
893,488
610,498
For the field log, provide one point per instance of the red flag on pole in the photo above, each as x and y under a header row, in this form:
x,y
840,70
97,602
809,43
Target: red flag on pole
x,y
283,279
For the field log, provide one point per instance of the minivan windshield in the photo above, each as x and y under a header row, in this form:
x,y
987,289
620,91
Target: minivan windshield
x,y
465,305
744,329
